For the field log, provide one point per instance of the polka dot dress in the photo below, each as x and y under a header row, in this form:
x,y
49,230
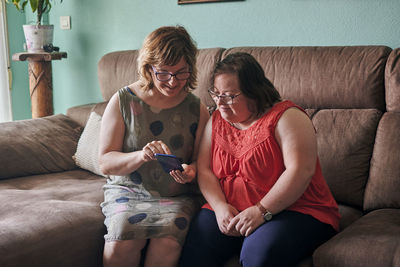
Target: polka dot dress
x,y
148,203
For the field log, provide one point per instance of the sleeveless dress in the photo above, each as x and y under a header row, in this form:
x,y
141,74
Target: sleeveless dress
x,y
148,203
249,162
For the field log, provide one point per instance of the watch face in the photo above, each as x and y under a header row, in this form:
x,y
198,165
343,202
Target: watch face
x,y
268,216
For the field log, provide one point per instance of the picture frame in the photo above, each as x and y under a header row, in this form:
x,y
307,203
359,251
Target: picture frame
x,y
180,2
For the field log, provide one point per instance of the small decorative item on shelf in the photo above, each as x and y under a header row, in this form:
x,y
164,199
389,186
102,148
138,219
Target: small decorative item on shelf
x,y
37,36
50,48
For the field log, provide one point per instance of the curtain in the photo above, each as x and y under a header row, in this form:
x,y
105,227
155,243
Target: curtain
x,y
5,99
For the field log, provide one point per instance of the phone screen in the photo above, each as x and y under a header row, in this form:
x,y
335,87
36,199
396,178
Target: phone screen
x,y
169,162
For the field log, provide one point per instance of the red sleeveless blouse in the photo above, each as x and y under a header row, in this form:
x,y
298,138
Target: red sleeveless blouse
x,y
249,162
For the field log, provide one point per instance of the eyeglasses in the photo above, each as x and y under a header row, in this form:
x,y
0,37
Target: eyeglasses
x,y
166,76
225,99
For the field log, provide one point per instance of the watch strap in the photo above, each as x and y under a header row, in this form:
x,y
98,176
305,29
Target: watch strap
x,y
261,208
267,215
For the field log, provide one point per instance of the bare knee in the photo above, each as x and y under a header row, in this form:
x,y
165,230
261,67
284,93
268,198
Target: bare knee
x,y
168,243
122,253
164,251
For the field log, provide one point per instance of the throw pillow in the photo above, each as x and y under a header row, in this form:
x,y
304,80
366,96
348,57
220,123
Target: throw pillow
x,y
86,156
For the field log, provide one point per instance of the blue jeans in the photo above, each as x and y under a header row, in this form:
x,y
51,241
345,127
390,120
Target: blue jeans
x,y
284,241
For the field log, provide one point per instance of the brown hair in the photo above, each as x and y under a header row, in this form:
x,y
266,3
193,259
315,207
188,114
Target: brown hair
x,y
252,81
166,46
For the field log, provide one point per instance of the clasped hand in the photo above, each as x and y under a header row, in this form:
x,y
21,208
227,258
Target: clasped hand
x,y
234,223
148,151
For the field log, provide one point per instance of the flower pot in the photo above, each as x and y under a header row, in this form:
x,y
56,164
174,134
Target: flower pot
x,y
37,36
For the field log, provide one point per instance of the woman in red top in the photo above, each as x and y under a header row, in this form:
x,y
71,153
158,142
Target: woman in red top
x,y
260,174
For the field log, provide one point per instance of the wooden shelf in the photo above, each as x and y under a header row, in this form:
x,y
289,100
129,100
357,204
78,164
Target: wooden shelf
x,y
39,56
40,80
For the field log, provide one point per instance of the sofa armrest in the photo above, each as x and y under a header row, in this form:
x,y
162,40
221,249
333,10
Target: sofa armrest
x,y
80,114
38,146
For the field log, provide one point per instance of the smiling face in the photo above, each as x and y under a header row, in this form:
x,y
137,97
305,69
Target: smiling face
x,y
228,84
173,86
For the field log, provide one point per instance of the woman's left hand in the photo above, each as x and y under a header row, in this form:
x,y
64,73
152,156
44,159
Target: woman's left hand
x,y
247,221
187,176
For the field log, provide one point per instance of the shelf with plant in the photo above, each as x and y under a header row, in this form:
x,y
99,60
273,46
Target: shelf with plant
x,y
39,7
37,36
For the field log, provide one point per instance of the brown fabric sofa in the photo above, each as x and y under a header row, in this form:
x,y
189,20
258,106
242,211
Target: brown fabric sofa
x,y
49,207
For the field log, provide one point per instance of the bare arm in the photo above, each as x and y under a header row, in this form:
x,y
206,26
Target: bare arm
x,y
115,162
210,187
190,170
112,160
204,116
296,137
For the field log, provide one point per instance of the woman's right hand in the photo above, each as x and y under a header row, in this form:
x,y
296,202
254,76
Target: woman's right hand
x,y
154,147
224,214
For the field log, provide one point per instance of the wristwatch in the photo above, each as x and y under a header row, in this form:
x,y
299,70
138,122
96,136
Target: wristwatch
x,y
267,215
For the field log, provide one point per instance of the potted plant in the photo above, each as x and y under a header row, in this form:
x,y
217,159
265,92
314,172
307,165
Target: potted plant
x,y
37,36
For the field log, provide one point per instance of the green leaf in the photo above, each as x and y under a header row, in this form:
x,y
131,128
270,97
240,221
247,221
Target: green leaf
x,y
46,6
34,5
37,6
23,5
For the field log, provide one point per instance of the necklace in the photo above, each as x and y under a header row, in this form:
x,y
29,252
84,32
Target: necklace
x,y
250,121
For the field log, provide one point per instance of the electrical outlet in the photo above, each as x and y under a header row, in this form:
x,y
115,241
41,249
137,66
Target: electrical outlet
x,y
65,22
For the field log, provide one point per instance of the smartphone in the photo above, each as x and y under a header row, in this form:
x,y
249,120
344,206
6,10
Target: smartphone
x,y
169,162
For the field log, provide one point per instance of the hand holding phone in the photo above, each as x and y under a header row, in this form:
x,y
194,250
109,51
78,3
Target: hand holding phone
x,y
169,162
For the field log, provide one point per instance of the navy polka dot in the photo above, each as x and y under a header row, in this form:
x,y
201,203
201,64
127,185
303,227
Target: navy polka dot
x,y
123,190
176,141
181,223
122,200
156,174
156,127
136,177
137,218
193,129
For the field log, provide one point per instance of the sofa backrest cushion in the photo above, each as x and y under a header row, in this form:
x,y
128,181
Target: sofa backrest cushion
x,y
392,81
383,186
119,68
115,70
206,61
313,77
345,143
325,77
38,146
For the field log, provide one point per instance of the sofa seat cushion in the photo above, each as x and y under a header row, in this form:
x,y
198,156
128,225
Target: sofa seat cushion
x,y
373,240
235,262
52,220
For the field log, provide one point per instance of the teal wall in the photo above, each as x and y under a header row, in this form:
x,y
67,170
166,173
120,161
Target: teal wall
x,y
101,26
20,82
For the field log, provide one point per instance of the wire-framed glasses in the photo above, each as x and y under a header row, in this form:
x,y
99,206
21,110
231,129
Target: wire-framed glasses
x,y
164,76
225,99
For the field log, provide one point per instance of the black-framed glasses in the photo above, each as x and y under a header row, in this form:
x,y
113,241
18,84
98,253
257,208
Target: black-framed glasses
x,y
225,99
164,76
